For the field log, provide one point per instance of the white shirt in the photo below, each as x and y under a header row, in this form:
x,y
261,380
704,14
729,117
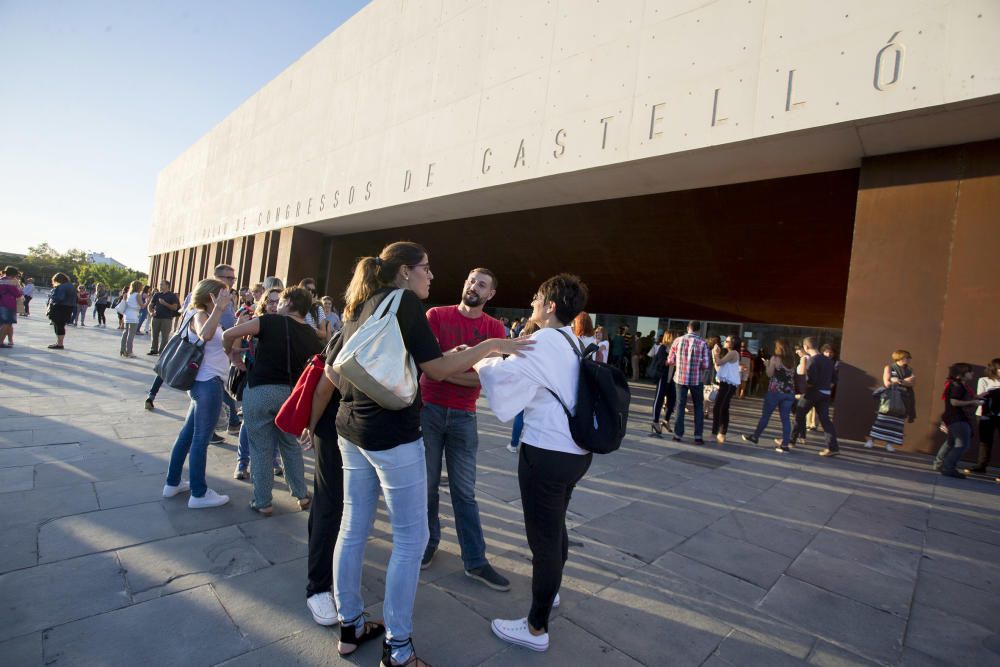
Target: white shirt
x,y
730,372
132,308
587,340
602,354
519,383
28,289
316,322
984,385
216,363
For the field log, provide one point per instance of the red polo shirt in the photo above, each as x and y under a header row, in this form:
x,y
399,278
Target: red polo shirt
x,y
452,328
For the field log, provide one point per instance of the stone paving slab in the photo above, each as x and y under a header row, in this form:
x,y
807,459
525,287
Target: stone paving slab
x,y
754,558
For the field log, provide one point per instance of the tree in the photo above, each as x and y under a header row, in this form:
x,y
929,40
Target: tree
x,y
112,277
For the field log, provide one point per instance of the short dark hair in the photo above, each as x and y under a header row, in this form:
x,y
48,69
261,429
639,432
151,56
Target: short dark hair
x,y
307,281
165,282
299,298
486,272
993,369
810,342
11,271
60,278
694,325
956,371
569,294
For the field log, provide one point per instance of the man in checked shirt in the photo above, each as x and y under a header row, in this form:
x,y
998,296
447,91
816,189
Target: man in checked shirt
x,y
690,357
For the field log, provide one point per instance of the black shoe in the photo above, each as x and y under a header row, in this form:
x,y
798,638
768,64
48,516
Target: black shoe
x,y
216,438
152,353
678,438
953,473
978,469
413,661
749,438
490,577
350,640
149,404
781,450
699,441
425,562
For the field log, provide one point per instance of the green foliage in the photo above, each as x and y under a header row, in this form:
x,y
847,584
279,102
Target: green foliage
x,y
112,277
43,261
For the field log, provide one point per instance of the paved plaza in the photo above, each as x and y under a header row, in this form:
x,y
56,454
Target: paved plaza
x,y
721,555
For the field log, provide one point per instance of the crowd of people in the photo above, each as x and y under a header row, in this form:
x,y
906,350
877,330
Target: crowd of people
x,y
258,340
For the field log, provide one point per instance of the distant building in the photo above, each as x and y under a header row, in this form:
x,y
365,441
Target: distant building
x,y
101,258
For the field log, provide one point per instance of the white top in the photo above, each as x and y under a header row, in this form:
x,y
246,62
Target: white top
x,y
730,372
984,385
316,322
132,308
28,289
216,363
519,383
587,340
604,345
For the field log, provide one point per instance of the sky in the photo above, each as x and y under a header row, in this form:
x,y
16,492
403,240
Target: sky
x,y
96,98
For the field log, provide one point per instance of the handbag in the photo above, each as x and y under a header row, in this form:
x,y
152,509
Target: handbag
x,y
180,359
891,403
294,414
376,361
711,392
122,306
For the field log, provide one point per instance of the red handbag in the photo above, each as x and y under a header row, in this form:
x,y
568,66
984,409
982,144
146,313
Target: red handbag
x,y
293,417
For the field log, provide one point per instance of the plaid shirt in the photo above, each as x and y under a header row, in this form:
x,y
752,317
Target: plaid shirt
x,y
689,355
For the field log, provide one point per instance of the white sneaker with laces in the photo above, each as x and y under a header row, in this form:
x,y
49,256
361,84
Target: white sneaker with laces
x,y
889,448
869,444
555,601
512,449
210,499
171,491
516,631
322,608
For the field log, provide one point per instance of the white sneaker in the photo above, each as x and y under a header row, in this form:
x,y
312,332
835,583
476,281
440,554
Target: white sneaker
x,y
555,601
322,608
869,444
171,491
512,449
210,499
516,632
889,448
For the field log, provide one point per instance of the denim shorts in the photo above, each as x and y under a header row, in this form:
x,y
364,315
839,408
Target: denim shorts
x,y
8,315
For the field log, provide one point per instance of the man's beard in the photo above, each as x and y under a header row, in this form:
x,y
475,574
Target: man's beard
x,y
472,299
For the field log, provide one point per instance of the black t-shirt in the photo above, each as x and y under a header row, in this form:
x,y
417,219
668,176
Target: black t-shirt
x,y
280,357
952,414
160,298
360,419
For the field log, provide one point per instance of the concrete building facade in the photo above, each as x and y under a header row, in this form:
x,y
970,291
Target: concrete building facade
x,y
800,163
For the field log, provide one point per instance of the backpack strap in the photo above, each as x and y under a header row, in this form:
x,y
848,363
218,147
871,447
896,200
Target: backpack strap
x,y
577,348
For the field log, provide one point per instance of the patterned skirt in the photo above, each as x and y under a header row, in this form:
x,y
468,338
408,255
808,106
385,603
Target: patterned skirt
x,y
888,429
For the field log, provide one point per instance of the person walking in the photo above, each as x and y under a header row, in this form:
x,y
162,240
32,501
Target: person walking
x,y
689,355
780,370
10,292
62,299
209,301
448,423
82,304
959,402
383,451
539,382
727,366
29,294
283,345
988,389
887,429
134,304
164,304
102,301
820,374
663,374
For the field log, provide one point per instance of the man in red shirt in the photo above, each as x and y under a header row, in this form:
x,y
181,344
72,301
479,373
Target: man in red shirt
x,y
448,421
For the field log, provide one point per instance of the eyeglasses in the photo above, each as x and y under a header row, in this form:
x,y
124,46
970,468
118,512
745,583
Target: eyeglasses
x,y
426,266
233,277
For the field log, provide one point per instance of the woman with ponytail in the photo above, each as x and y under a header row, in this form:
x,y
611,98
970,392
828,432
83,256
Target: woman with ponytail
x,y
958,404
382,451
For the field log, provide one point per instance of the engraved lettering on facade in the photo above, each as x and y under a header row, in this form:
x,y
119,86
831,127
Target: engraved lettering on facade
x,y
486,153
716,119
368,190
561,147
322,202
604,132
789,105
654,119
889,63
407,179
430,172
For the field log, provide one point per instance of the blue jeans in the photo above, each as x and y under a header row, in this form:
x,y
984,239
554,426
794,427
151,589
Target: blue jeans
x,y
950,453
401,475
154,389
697,400
206,402
515,434
230,403
784,403
452,433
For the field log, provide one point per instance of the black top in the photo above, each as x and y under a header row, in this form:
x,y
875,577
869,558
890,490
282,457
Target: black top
x,y
956,389
160,298
276,352
821,372
360,419
64,294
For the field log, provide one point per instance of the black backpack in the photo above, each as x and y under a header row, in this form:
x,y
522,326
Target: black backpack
x,y
602,400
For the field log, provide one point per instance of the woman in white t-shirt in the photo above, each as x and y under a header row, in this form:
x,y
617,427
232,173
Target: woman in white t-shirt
x,y
550,462
135,302
989,424
603,346
209,301
727,367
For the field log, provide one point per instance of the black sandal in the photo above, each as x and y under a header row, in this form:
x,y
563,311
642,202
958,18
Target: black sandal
x,y
414,661
350,640
657,429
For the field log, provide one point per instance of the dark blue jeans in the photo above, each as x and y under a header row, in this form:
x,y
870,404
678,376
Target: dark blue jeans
x,y
452,433
192,441
950,453
783,402
698,402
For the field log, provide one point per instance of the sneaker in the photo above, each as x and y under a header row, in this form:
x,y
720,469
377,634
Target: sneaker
x,y
278,472
781,450
829,452
216,438
749,438
869,444
425,562
210,499
490,577
171,491
889,448
516,631
149,404
234,429
512,449
240,473
322,608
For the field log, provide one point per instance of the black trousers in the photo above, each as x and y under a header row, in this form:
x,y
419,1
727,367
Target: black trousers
x,y
987,428
665,390
547,479
101,307
720,411
27,310
814,399
324,514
